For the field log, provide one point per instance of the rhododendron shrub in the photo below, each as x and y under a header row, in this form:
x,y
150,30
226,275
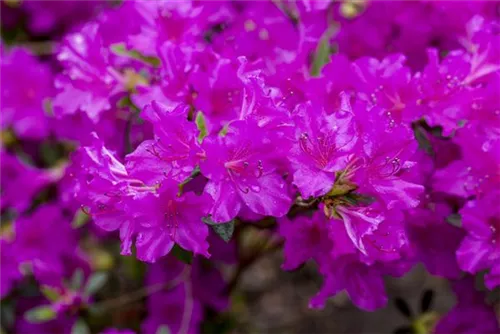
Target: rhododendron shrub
x,y
151,151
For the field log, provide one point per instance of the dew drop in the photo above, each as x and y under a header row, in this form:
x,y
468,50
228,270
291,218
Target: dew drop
x,y
255,188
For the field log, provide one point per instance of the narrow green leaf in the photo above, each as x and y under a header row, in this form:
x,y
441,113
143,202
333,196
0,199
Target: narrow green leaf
x,y
321,56
7,314
224,130
455,219
40,314
201,125
80,219
50,293
163,329
77,279
49,153
48,107
182,254
95,282
223,230
80,327
121,50
422,138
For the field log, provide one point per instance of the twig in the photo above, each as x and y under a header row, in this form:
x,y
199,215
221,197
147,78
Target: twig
x,y
128,127
144,292
266,247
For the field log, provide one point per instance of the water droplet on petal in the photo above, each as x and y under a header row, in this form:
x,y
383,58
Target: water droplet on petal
x,y
255,188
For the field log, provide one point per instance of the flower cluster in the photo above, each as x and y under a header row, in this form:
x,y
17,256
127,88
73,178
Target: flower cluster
x,y
365,136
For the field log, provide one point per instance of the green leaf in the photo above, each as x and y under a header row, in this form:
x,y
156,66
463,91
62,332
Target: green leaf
x,y
7,314
80,219
182,254
455,219
48,107
95,282
80,327
422,138
77,279
49,153
40,314
223,230
360,199
224,130
121,50
50,293
163,329
201,125
321,56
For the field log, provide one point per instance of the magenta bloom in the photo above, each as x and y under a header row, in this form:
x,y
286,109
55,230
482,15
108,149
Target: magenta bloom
x,y
426,229
10,267
219,91
261,32
383,172
312,238
50,17
471,314
117,331
21,182
88,81
480,249
35,241
385,85
166,219
173,153
241,171
476,171
175,22
101,186
26,83
359,222
363,283
322,145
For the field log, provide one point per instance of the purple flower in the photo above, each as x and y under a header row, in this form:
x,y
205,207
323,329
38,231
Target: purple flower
x,y
21,182
260,32
385,85
59,325
322,145
89,80
360,222
312,238
382,170
173,153
101,183
219,91
36,241
363,283
175,22
426,229
117,331
480,249
241,171
475,172
51,17
471,314
10,267
167,218
26,83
